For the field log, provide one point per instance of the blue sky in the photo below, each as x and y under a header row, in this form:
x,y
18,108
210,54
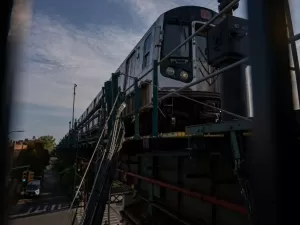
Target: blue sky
x,y
82,42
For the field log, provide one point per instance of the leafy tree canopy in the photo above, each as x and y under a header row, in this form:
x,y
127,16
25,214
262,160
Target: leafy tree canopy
x,y
35,155
49,142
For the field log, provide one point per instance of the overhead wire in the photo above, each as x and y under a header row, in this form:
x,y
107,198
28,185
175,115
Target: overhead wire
x,y
206,60
207,105
199,81
91,159
203,73
183,34
118,125
96,148
98,170
217,108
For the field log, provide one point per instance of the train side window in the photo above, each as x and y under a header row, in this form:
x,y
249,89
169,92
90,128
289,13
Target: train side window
x,y
146,52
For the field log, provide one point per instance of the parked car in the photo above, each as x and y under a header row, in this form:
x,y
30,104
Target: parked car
x,y
33,188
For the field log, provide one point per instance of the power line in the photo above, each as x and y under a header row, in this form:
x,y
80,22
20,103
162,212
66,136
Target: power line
x,y
202,103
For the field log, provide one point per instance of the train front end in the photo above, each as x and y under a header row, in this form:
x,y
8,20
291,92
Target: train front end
x,y
185,65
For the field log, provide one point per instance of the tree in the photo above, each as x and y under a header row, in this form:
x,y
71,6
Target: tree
x,y
67,181
35,155
49,142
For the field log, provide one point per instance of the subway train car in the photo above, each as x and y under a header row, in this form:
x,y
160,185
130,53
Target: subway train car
x,y
184,66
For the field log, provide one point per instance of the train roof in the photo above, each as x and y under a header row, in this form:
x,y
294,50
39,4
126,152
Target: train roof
x,y
187,7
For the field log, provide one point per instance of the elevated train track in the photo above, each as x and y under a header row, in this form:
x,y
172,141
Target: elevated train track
x,y
179,172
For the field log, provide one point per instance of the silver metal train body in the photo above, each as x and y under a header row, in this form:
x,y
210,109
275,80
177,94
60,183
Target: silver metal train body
x,y
184,66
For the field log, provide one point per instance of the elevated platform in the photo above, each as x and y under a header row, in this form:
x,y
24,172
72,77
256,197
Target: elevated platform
x,y
190,177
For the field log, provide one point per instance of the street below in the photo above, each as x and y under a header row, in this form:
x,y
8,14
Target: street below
x,y
51,207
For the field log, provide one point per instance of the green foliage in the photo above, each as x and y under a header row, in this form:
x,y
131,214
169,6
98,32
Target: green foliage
x,y
49,142
35,155
67,181
66,172
67,178
53,152
65,165
116,184
60,166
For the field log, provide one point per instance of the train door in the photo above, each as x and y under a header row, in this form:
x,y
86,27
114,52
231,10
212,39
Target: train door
x,y
200,65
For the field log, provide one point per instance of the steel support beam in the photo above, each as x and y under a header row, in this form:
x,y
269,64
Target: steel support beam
x,y
137,108
155,100
273,128
293,45
238,125
108,100
294,38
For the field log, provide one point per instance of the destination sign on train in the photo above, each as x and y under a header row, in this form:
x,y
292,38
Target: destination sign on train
x,y
205,14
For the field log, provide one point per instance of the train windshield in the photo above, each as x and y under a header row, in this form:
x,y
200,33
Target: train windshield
x,y
175,34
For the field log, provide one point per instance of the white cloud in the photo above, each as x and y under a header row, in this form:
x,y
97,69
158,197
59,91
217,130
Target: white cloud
x,y
150,10
58,54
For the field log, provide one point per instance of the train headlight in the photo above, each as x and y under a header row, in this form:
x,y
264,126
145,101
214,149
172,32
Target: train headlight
x,y
170,71
184,75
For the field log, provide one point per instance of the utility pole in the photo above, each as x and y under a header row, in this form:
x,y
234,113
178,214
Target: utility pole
x,y
75,85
